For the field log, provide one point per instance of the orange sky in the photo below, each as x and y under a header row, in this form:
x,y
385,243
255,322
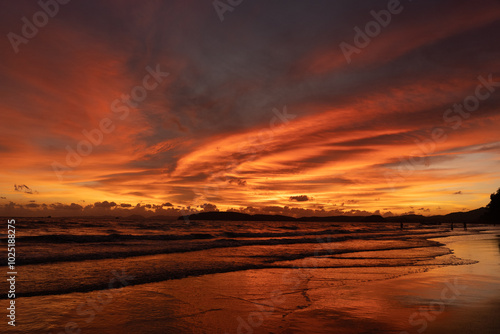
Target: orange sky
x,y
213,132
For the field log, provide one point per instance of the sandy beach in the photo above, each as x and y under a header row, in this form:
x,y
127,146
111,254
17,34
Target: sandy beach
x,y
250,166
425,297
477,311
450,299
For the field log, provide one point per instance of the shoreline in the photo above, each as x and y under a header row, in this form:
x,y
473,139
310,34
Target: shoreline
x,y
309,300
476,315
482,318
462,298
425,302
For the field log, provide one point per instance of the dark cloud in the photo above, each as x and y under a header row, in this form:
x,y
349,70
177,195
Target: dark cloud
x,y
105,204
59,209
125,205
458,192
25,189
207,207
65,207
300,198
167,204
239,182
74,207
226,78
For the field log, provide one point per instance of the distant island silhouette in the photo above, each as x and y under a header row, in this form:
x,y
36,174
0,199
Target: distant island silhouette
x,y
488,214
474,216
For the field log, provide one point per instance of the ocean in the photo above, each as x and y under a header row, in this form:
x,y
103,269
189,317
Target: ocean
x,y
78,270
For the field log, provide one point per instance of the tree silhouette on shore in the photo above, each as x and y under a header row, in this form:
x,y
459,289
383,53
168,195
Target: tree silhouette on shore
x,y
493,208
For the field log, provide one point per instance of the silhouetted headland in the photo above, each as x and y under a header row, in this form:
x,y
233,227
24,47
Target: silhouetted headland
x,y
474,216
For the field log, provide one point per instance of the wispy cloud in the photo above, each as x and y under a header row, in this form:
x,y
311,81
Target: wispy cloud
x,y
202,136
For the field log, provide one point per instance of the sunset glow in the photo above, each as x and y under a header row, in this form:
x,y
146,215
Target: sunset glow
x,y
258,115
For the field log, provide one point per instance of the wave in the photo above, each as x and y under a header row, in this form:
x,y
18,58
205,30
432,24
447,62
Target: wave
x,y
118,246
81,238
281,234
74,277
131,250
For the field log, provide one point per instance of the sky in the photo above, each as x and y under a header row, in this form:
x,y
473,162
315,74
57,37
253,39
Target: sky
x,y
292,107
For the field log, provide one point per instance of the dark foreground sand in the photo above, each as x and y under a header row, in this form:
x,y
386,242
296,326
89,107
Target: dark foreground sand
x,y
456,299
448,299
481,318
482,313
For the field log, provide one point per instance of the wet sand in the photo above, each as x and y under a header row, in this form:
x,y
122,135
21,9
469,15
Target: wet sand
x,y
425,298
479,312
481,318
450,299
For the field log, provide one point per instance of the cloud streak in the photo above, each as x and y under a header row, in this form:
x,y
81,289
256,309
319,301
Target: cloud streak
x,y
210,133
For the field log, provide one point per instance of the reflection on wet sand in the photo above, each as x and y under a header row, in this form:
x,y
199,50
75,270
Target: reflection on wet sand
x,y
361,291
